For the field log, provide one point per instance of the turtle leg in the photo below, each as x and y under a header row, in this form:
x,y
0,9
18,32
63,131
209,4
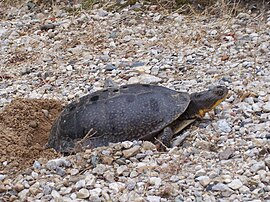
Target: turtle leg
x,y
165,138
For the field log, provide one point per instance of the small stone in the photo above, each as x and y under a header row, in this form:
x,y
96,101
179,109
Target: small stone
x,y
95,192
256,107
117,186
55,194
34,174
226,154
266,107
60,171
267,161
110,67
148,145
200,172
36,165
131,152
257,166
18,187
34,190
226,178
139,199
25,70
47,189
155,181
83,193
224,126
69,68
127,144
106,159
80,184
53,164
153,198
243,15
33,124
2,188
244,190
47,27
204,180
102,13
220,187
74,171
99,169
121,169
23,194
2,177
235,184
145,79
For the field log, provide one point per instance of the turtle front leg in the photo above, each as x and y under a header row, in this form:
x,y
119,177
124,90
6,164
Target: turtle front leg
x,y
164,138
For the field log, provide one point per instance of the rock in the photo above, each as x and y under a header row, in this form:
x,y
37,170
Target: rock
x,y
121,169
235,184
266,107
23,194
257,166
2,177
2,188
127,144
145,79
244,190
83,193
153,198
36,165
156,181
60,171
223,126
74,171
95,192
220,187
110,67
53,164
204,180
3,32
55,194
100,169
226,154
107,159
117,186
69,68
243,15
25,70
267,161
33,124
148,145
18,187
46,27
80,184
131,152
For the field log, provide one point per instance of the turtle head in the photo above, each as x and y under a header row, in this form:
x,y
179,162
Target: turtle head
x,y
205,101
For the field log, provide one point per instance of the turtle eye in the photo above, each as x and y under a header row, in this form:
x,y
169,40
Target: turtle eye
x,y
219,92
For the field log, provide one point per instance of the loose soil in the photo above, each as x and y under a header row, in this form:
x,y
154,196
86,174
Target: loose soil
x,y
24,130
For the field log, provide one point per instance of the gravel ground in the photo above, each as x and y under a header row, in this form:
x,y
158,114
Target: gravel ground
x,y
65,55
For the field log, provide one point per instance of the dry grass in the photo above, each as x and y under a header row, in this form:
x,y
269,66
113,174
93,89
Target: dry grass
x,y
221,7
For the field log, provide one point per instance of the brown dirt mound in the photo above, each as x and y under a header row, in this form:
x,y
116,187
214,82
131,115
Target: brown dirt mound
x,y
24,129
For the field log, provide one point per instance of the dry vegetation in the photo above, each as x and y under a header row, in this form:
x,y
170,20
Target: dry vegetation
x,y
181,6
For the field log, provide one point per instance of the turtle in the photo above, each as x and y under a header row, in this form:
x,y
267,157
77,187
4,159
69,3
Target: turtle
x,y
130,112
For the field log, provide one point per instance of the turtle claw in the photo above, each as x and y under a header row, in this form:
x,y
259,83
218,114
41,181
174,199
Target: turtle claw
x,y
164,139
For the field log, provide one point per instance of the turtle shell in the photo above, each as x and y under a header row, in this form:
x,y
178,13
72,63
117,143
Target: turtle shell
x,y
129,112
